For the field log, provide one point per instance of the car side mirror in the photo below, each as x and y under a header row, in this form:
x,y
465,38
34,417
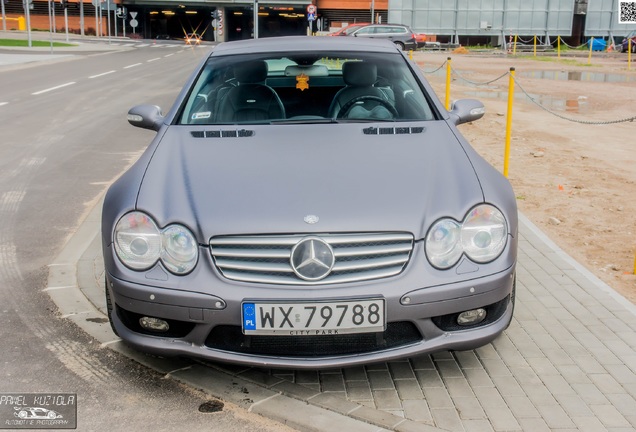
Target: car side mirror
x,y
467,110
146,117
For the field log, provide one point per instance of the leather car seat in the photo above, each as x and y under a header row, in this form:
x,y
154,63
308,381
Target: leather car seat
x,y
359,78
252,99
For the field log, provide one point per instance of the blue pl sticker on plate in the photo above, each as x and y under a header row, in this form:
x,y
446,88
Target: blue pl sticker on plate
x,y
249,316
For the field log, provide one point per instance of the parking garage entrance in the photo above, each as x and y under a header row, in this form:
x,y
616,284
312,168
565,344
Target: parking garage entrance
x,y
237,22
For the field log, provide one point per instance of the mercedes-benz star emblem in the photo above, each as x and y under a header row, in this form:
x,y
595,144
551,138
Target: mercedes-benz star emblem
x,y
312,259
311,219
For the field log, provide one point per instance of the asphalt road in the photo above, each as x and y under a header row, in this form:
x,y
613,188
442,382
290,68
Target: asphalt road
x,y
63,138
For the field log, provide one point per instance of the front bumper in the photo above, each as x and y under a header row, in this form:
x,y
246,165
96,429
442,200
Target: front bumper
x,y
209,326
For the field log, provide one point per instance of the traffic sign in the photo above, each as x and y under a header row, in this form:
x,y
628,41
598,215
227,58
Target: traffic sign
x,y
311,17
311,9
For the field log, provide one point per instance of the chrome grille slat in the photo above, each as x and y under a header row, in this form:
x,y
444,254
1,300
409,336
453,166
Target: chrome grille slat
x,y
292,280
251,266
266,259
252,253
369,263
371,250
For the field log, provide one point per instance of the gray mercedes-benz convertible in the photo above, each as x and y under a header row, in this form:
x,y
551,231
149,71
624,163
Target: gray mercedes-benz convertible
x,y
308,202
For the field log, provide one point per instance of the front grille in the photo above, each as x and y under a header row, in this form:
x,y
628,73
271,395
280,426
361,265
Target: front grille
x,y
231,338
266,259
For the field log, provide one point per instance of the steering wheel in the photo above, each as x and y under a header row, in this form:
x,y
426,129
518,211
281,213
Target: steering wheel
x,y
344,111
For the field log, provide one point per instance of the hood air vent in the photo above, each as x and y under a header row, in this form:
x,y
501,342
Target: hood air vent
x,y
393,130
237,133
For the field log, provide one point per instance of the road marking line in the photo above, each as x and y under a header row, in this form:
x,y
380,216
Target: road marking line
x,y
3,103
53,88
154,59
168,55
101,74
132,65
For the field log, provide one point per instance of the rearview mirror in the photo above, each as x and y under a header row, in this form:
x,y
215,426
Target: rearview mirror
x,y
146,117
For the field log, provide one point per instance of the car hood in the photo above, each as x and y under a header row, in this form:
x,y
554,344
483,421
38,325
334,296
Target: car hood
x,y
267,179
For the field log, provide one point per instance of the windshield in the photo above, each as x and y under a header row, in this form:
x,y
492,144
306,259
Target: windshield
x,y
306,87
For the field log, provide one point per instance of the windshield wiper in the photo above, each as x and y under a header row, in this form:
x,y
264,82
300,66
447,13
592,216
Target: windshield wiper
x,y
317,120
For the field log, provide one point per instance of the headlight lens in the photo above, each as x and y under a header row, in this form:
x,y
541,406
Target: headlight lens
x,y
443,247
137,241
180,250
484,233
139,244
482,236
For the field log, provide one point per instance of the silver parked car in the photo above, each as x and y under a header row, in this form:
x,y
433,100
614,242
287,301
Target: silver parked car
x,y
309,202
402,36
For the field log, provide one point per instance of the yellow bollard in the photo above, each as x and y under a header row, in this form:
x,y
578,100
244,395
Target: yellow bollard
x,y
534,46
411,54
21,23
635,264
514,46
511,96
589,56
559,47
448,82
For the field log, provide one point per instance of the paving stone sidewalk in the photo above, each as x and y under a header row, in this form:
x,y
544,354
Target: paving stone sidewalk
x,y
567,362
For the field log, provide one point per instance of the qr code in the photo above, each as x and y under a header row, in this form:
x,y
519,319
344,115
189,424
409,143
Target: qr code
x,y
627,12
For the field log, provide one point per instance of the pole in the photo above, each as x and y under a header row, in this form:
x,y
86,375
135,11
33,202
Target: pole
x,y
28,19
511,97
534,45
629,54
255,19
65,21
514,47
81,5
54,20
50,25
4,17
372,11
559,47
448,82
589,56
108,18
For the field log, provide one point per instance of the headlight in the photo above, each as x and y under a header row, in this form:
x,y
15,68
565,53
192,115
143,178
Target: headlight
x,y
139,244
481,236
484,233
443,247
180,250
137,241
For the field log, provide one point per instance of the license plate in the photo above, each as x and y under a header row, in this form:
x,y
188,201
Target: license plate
x,y
313,319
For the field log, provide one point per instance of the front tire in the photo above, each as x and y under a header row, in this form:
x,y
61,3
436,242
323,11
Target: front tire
x,y
400,45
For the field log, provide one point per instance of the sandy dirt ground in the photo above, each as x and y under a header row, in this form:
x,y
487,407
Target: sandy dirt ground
x,y
576,181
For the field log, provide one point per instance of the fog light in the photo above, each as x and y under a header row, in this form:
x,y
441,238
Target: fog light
x,y
154,324
471,317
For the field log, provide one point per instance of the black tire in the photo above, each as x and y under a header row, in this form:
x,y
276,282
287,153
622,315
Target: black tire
x,y
109,306
400,45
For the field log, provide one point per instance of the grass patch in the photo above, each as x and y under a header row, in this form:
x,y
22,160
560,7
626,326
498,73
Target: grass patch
x,y
35,43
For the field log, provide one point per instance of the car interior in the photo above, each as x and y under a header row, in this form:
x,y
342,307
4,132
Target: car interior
x,y
306,88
